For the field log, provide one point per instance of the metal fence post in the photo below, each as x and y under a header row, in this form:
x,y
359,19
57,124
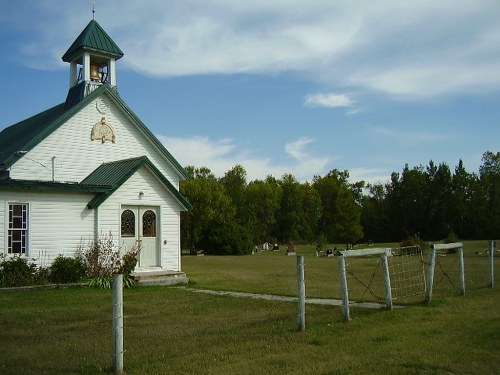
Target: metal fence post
x,y
491,263
301,315
462,269
430,273
343,285
118,324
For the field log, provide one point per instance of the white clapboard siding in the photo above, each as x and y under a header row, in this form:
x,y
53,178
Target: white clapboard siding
x,y
155,195
68,154
58,223
4,222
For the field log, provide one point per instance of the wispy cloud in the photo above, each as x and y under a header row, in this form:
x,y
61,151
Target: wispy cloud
x,y
404,135
222,155
370,175
330,100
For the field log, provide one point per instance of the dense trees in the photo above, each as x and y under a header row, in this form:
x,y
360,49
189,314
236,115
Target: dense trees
x,y
433,203
231,215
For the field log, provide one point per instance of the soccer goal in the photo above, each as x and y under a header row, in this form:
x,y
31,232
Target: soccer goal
x,y
382,274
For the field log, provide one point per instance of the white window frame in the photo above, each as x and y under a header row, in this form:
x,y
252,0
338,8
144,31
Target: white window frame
x,y
24,229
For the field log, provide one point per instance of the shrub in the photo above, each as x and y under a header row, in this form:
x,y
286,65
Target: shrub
x,y
320,242
414,240
102,260
16,271
452,237
99,257
227,239
129,261
67,270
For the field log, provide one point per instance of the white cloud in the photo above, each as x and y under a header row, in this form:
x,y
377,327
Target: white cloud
x,y
222,155
404,49
369,175
305,164
328,100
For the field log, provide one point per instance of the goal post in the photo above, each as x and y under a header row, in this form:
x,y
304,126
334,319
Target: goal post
x,y
459,247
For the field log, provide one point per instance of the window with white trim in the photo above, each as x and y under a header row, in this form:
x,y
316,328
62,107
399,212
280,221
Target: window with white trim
x,y
17,237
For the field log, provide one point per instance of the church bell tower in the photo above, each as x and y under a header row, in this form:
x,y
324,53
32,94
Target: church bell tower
x,y
92,58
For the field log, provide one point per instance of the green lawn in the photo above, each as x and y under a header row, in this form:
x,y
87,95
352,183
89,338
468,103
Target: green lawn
x,y
275,273
173,330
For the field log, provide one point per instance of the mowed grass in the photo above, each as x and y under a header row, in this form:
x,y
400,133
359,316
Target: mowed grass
x,y
274,273
172,330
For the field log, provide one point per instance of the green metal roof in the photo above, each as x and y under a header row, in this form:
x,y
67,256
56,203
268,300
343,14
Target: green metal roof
x,y
48,186
114,174
28,133
75,95
24,135
93,38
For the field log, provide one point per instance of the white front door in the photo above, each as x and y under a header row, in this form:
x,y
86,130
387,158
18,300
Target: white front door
x,y
139,228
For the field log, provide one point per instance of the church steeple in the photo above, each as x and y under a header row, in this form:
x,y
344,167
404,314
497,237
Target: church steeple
x,y
92,58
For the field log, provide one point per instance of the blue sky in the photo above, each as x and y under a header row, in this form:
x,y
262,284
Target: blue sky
x,y
283,86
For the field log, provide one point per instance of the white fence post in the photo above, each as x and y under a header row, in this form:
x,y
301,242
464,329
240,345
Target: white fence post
x,y
462,269
343,285
118,324
387,282
430,273
491,263
301,315
459,246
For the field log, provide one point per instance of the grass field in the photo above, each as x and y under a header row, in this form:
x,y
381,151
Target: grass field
x,y
173,330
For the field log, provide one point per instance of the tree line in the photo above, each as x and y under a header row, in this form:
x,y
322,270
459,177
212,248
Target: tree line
x,y
231,215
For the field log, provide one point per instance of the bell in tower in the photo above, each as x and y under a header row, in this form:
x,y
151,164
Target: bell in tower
x,y
95,74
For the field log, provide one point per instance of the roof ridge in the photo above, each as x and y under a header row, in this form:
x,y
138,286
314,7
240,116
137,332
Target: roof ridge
x,y
125,160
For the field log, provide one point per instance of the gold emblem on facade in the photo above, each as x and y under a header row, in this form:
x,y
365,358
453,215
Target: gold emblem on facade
x,y
103,131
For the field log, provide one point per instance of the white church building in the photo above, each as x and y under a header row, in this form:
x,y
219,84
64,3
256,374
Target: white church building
x,y
89,167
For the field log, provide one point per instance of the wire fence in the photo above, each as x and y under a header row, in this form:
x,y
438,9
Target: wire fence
x,y
477,272
408,270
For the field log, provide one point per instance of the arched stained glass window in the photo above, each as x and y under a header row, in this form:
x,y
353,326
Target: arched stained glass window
x,y
128,223
149,224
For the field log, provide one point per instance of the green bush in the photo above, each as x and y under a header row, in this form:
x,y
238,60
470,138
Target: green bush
x,y
227,239
66,270
414,240
16,271
452,238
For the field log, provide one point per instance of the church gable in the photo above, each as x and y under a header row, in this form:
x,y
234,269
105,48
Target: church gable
x,y
101,129
114,174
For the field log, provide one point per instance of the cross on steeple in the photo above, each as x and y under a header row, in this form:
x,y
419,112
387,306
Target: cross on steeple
x,y
93,8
